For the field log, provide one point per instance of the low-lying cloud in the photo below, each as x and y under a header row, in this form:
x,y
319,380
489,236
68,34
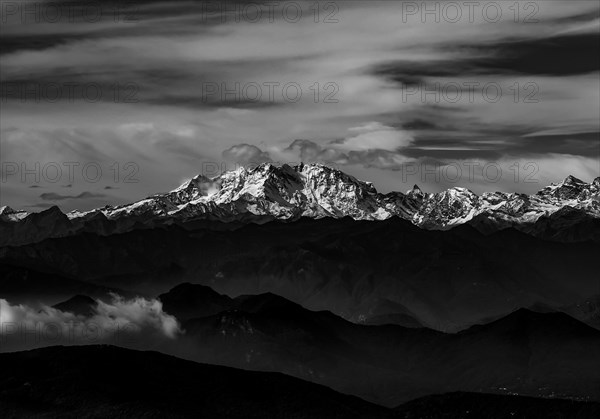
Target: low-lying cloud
x,y
121,320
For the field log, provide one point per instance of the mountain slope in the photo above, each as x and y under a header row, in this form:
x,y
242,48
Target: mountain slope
x,y
80,305
24,284
106,381
523,353
187,301
492,406
527,353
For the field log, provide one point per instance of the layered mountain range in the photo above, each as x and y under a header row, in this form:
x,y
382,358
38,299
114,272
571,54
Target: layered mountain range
x,y
87,382
388,271
269,192
310,272
524,352
325,240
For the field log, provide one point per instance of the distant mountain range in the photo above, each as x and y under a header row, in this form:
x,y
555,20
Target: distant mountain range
x,y
106,381
310,272
524,352
269,192
388,271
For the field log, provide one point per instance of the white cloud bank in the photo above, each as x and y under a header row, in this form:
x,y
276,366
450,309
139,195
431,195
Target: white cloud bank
x,y
118,321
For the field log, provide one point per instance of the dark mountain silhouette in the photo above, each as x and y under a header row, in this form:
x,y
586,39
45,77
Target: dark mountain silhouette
x,y
567,225
525,322
26,285
187,301
524,352
586,311
81,305
51,222
462,405
106,381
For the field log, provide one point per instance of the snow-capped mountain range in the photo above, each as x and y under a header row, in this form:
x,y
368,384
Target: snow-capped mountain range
x,y
270,192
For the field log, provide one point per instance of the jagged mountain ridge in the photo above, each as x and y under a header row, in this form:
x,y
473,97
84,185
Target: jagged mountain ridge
x,y
269,192
315,190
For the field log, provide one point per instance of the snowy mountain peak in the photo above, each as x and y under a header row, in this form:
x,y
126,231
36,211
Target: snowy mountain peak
x,y
192,183
569,189
458,192
5,210
572,180
269,191
416,193
569,181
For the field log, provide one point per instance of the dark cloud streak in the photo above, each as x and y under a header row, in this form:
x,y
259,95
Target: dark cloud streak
x,y
51,196
565,55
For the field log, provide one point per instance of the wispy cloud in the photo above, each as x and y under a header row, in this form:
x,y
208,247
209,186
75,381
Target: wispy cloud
x,y
179,85
51,196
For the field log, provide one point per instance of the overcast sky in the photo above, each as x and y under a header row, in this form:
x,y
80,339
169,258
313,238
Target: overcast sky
x,y
115,103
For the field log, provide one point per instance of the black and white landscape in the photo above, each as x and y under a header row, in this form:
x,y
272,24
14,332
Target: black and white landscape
x,y
383,237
